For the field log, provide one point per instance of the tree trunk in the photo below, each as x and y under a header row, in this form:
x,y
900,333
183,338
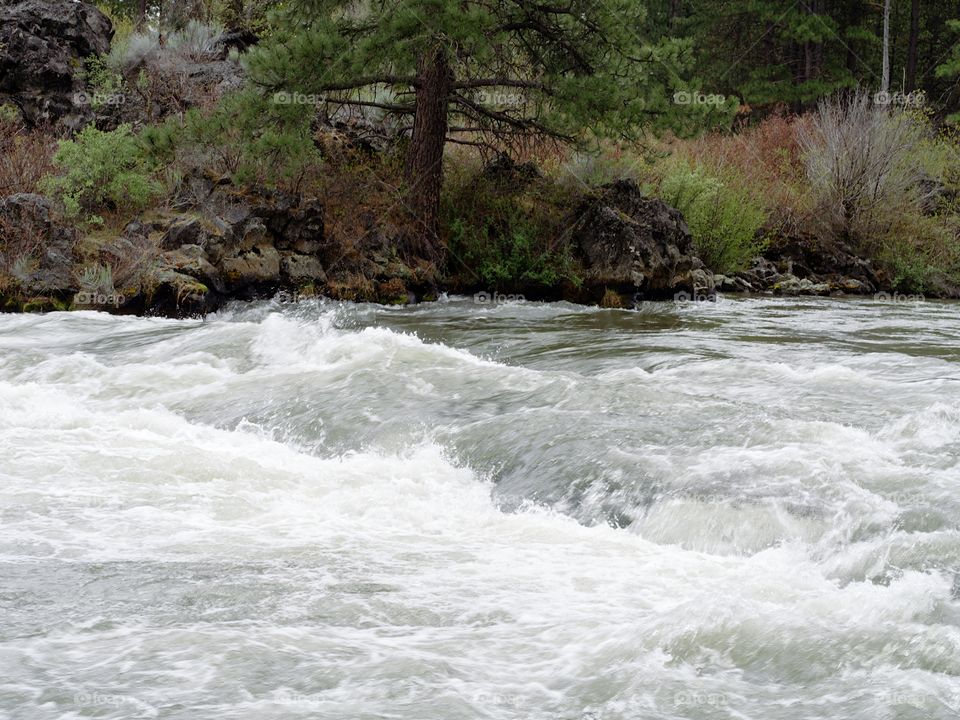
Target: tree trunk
x,y
911,81
424,161
141,15
885,80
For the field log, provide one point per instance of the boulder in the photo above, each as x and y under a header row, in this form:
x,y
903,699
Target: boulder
x,y
42,42
727,283
191,260
177,294
252,270
300,269
300,228
36,249
184,231
823,261
789,284
257,239
633,244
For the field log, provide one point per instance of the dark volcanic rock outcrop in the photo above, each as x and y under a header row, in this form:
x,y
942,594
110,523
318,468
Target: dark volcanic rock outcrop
x,y
36,250
635,245
225,243
42,43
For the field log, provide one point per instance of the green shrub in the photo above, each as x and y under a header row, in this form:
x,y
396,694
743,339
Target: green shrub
x,y
246,136
506,237
102,169
9,115
104,83
921,253
723,217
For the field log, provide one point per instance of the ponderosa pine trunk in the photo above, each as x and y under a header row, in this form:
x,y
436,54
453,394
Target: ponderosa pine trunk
x,y
911,79
885,79
424,161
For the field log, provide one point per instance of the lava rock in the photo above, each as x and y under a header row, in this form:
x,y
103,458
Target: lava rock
x,y
627,242
43,245
300,269
42,42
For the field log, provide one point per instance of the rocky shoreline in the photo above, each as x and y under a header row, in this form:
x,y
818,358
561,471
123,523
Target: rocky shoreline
x,y
220,243
216,241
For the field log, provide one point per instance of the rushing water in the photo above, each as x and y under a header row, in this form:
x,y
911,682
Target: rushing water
x,y
748,509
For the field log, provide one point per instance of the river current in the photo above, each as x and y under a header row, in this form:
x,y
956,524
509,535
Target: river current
x,y
745,509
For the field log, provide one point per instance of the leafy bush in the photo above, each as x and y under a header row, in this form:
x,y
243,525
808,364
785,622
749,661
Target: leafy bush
x,y
723,217
103,81
245,136
506,236
766,159
102,169
921,253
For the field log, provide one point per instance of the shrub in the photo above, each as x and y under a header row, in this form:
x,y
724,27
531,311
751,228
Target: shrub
x,y
767,158
102,169
194,42
593,169
25,156
245,136
506,235
21,247
103,82
864,167
723,218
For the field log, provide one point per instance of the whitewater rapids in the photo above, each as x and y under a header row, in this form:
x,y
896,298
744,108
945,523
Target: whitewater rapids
x,y
746,509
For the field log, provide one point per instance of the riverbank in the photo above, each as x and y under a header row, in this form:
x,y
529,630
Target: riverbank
x,y
613,246
621,248
151,178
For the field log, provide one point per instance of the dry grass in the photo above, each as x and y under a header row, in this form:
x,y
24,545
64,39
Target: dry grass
x,y
864,167
768,161
25,156
363,199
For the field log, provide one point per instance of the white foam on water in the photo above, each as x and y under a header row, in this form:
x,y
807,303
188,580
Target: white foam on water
x,y
158,564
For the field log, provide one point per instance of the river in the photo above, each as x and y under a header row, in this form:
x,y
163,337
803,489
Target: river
x,y
744,509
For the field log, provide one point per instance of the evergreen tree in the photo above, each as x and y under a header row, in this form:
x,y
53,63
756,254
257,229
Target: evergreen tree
x,y
478,72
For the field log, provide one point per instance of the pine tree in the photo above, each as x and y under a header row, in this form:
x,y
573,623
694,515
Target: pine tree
x,y
478,72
